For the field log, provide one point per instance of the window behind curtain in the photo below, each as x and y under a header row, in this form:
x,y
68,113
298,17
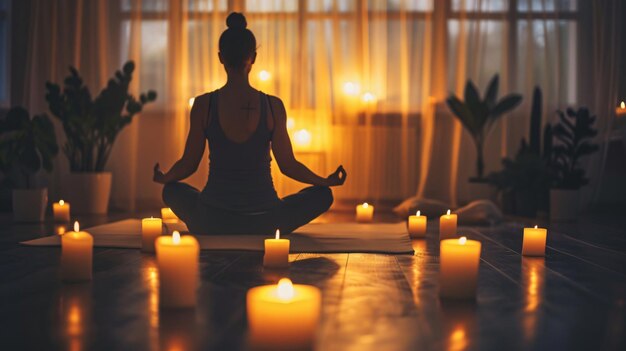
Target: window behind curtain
x,y
515,31
4,53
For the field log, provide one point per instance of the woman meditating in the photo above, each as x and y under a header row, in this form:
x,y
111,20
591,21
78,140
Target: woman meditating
x,y
241,124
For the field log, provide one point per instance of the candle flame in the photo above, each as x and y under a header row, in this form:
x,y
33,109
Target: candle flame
x,y
535,227
448,213
61,202
76,227
264,75
418,213
285,289
176,237
277,234
366,205
622,105
462,240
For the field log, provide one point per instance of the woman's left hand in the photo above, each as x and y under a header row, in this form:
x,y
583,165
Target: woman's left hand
x,y
158,175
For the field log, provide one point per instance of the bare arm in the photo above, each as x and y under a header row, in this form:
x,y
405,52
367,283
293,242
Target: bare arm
x,y
194,147
283,152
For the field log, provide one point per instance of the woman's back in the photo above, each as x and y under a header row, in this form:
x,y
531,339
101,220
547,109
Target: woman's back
x,y
239,143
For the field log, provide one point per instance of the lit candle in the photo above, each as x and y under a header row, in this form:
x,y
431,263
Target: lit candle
x,y
61,211
364,213
458,267
621,110
168,215
151,228
447,226
417,225
283,316
276,252
534,243
177,259
76,255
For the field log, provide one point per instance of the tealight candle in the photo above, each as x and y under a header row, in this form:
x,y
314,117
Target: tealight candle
x,y
364,213
177,259
534,243
458,267
61,211
417,225
276,252
151,228
168,215
283,316
447,226
76,255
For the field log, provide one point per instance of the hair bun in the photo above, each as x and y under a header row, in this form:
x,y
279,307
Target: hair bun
x,y
236,20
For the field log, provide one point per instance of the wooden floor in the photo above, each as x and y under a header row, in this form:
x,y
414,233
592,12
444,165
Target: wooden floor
x,y
574,299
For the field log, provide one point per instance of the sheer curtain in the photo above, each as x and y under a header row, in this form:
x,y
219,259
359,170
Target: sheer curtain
x,y
363,81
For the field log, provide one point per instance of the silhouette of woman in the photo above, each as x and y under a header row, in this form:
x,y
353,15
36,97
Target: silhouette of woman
x,y
241,124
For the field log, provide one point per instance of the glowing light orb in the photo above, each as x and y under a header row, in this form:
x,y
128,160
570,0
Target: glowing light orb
x,y
264,75
302,137
351,88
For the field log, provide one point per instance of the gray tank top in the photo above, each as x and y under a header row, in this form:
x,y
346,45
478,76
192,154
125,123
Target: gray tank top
x,y
240,176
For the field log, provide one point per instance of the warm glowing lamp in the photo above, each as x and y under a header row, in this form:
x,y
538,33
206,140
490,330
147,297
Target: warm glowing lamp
x,y
302,138
368,98
351,88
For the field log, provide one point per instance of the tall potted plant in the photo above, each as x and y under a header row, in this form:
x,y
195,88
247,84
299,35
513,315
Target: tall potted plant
x,y
91,127
524,180
573,134
478,117
25,146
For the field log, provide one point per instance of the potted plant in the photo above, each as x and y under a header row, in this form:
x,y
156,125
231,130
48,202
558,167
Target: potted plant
x,y
27,145
524,181
478,116
572,134
91,127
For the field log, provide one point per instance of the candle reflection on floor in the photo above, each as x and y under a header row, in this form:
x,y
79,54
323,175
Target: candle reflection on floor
x,y
177,331
533,276
459,322
75,314
417,266
150,274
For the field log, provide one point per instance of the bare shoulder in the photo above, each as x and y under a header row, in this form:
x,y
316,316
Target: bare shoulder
x,y
277,107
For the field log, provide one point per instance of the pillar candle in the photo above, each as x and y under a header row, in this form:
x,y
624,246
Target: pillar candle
x,y
283,316
620,111
417,225
76,255
458,267
534,243
276,252
168,215
447,226
61,211
151,228
364,213
177,259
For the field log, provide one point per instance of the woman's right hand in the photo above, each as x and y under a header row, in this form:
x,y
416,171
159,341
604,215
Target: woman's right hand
x,y
337,178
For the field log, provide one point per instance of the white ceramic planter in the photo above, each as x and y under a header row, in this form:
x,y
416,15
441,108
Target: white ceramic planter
x,y
88,193
29,205
563,205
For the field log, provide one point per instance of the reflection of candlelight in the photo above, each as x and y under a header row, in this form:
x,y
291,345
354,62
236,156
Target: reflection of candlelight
x,y
302,138
457,339
417,266
533,278
75,314
150,275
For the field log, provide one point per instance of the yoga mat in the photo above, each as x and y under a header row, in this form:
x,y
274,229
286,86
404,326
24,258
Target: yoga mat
x,y
315,238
